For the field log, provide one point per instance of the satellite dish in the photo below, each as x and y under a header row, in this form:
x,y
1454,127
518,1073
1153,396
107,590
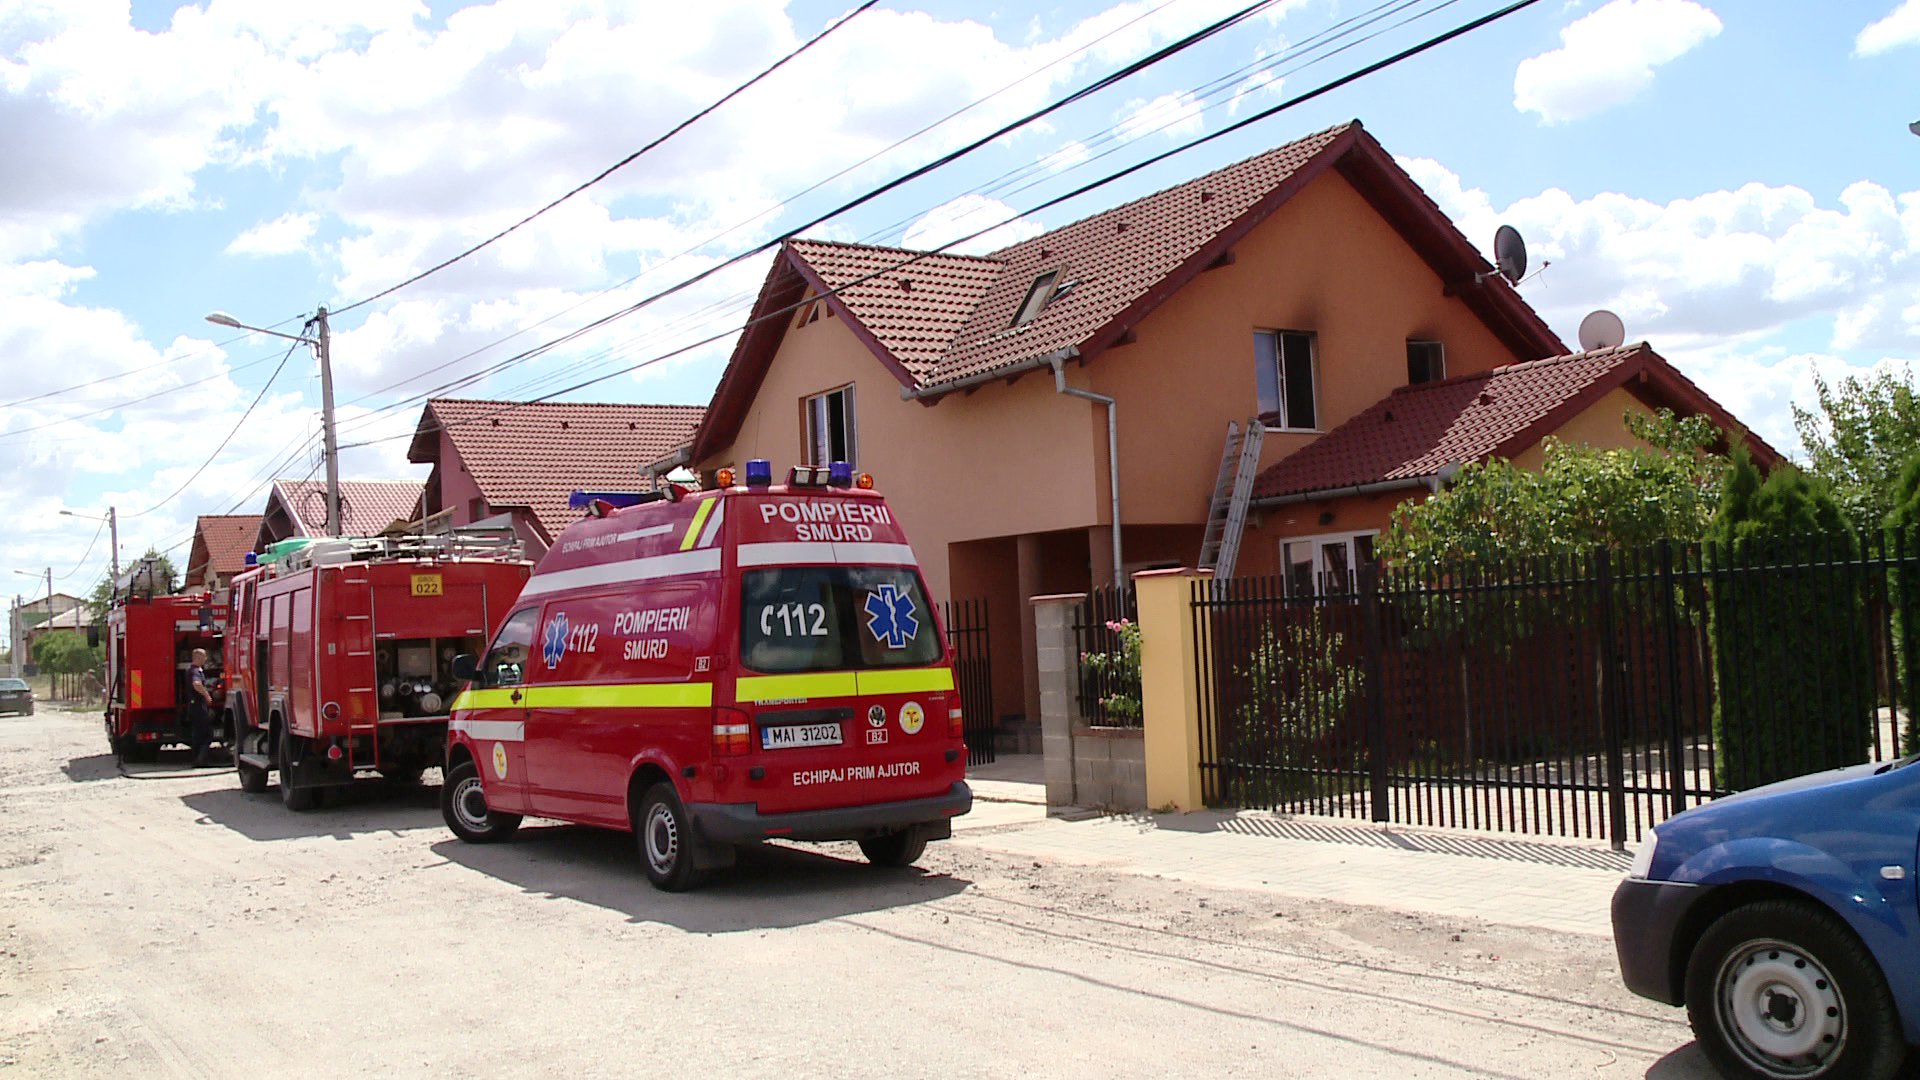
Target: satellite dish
x,y
1510,254
1602,330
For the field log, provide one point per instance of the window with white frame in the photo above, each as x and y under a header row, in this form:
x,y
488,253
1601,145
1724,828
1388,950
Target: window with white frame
x,y
1327,564
1284,374
830,427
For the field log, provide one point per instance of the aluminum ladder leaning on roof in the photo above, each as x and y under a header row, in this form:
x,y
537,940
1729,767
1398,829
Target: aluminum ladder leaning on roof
x,y
1232,491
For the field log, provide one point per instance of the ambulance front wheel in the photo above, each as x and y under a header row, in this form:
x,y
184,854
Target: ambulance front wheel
x,y
901,848
666,840
463,803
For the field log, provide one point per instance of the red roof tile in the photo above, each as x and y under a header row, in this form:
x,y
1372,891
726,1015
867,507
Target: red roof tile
x,y
368,506
539,454
220,545
914,311
1416,431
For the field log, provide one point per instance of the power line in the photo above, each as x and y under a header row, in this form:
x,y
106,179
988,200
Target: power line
x,y
83,558
216,376
915,257
257,398
622,163
143,368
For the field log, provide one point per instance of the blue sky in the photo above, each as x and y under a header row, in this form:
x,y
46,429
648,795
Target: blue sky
x,y
1736,180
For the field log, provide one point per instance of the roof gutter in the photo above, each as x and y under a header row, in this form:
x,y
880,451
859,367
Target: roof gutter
x,y
938,390
1433,482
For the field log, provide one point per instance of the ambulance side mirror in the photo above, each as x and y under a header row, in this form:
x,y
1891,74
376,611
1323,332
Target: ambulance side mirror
x,y
466,668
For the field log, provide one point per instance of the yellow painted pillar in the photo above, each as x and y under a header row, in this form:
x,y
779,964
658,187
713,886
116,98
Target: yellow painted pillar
x,y
1169,687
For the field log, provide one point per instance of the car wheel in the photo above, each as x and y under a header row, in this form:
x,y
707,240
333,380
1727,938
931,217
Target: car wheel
x,y
666,840
1782,989
901,848
296,797
463,804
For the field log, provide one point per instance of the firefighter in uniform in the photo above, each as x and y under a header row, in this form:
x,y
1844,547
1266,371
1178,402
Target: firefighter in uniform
x,y
199,709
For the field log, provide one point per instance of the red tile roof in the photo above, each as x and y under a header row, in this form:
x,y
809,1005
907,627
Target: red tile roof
x,y
368,506
1416,431
220,545
537,455
943,318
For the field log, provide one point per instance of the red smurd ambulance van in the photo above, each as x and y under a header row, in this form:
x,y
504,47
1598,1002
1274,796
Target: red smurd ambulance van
x,y
713,669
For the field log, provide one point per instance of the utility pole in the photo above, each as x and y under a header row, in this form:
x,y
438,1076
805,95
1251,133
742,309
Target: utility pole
x,y
113,537
13,635
324,340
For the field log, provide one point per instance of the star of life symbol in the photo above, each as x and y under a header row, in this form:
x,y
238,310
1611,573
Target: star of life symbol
x,y
555,645
890,617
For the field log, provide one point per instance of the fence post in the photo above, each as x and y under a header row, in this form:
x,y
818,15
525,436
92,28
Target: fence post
x,y
1375,690
1676,738
1169,687
1057,655
1610,703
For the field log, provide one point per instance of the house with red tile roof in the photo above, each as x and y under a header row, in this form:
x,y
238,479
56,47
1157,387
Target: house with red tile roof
x,y
523,461
220,546
367,507
1314,288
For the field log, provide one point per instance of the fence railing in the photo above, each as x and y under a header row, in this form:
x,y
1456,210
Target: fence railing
x,y
967,632
1587,695
1107,634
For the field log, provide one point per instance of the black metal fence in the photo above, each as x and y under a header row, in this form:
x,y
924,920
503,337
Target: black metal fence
x,y
1106,633
966,623
1590,696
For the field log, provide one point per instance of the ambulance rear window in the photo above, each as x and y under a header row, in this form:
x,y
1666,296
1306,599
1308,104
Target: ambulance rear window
x,y
834,618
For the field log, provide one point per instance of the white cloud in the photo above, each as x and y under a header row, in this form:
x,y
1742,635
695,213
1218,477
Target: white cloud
x,y
1900,27
284,235
966,215
1172,115
1607,57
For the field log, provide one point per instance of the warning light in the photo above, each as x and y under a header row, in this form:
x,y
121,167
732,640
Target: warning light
x,y
724,478
759,473
840,474
865,483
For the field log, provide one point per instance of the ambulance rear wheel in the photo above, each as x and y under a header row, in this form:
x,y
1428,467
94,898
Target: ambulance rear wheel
x,y
463,803
901,848
666,840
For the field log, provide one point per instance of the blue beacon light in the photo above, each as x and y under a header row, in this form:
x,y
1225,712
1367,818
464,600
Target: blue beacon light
x,y
759,473
840,474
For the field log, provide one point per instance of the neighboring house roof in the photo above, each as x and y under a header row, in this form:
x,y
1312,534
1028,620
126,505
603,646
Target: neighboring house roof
x,y
368,506
536,455
77,619
220,545
1416,431
943,319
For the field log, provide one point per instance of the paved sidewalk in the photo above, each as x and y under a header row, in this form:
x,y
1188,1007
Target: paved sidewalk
x,y
1555,885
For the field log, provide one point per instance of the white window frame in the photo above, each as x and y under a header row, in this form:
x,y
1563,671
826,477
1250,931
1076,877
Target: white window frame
x,y
816,445
1039,294
1279,416
1315,547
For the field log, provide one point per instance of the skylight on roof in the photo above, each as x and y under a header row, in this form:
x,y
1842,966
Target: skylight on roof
x,y
1037,298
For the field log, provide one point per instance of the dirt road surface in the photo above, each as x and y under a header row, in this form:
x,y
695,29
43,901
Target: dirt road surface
x,y
160,923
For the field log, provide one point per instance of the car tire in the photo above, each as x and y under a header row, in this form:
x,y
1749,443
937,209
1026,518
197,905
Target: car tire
x,y
665,838
1783,989
296,797
902,848
463,805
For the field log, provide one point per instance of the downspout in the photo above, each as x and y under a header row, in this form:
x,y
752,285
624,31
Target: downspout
x,y
1113,456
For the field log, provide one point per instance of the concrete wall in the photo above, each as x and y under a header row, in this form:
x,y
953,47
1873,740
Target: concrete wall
x,y
1088,766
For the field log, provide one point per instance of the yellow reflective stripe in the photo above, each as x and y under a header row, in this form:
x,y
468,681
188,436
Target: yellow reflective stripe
x,y
906,681
699,519
784,687
842,684
486,699
622,696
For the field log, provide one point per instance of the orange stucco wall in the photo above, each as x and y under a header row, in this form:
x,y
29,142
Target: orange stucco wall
x,y
1601,425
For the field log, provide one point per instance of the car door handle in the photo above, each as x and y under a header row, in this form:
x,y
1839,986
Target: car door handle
x,y
514,697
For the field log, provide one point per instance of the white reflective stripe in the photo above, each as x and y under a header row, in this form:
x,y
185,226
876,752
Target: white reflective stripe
x,y
654,566
497,730
712,530
823,551
651,530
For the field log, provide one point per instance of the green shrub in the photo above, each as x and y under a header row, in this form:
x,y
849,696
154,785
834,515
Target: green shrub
x,y
1298,689
1118,672
1903,525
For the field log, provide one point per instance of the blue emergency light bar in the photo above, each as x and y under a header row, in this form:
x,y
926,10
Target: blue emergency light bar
x,y
759,473
840,474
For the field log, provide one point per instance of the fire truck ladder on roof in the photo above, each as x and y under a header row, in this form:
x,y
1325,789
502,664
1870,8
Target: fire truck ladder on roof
x,y
1232,490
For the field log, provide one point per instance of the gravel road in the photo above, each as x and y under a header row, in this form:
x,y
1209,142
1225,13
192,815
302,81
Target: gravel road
x,y
160,923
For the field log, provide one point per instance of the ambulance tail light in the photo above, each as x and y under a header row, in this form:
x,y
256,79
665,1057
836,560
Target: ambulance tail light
x,y
956,722
732,733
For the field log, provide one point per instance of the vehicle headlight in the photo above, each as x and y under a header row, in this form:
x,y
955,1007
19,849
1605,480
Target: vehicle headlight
x,y
1643,858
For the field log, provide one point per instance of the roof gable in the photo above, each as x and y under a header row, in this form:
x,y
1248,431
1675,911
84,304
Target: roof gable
x,y
220,545
368,505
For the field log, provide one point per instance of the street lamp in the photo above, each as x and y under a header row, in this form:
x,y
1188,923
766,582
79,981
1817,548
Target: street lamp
x,y
320,342
113,528
1914,127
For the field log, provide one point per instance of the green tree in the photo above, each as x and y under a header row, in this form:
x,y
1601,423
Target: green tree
x,y
1858,435
64,652
1299,688
163,581
1793,670
1904,522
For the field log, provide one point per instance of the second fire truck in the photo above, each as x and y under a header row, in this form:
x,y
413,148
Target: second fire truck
x,y
340,653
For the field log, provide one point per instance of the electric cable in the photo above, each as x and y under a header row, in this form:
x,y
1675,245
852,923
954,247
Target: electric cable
x,y
143,368
257,398
83,558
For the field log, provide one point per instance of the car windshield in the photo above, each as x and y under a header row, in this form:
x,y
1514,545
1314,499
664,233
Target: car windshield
x,y
13,684
834,618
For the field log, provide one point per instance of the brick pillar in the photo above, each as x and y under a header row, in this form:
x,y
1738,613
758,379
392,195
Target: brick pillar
x,y
1169,687
1057,656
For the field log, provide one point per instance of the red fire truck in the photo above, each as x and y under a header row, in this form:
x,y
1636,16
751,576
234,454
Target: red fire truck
x,y
150,643
341,654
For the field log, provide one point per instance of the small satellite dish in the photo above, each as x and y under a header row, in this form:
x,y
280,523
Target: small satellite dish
x,y
1602,330
1510,254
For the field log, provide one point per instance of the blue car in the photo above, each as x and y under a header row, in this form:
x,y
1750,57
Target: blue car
x,y
1785,919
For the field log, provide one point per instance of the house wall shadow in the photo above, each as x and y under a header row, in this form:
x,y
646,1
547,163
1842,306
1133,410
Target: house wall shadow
x,y
771,887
